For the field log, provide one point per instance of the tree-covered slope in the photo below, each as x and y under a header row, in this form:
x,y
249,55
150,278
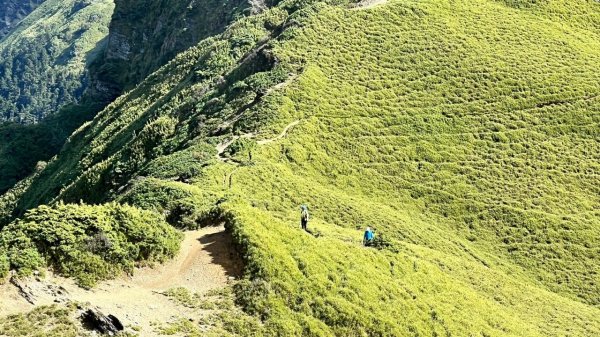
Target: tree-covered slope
x,y
138,43
12,12
146,34
465,132
43,61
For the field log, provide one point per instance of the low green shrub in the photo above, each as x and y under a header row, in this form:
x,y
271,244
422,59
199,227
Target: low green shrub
x,y
90,243
4,265
184,297
48,321
380,242
185,206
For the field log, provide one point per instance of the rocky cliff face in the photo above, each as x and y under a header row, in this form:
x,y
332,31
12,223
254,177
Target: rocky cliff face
x,y
13,11
146,34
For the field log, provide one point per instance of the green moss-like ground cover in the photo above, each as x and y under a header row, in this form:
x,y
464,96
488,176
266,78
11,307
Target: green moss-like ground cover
x,y
465,132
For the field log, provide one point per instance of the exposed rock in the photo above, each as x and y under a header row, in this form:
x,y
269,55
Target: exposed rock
x,y
95,320
35,290
24,290
141,41
120,47
257,6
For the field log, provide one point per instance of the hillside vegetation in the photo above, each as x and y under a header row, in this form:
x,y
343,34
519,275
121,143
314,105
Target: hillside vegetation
x,y
466,132
62,55
141,41
90,243
12,12
43,60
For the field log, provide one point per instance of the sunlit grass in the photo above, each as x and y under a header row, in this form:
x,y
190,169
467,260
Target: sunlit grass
x,y
465,133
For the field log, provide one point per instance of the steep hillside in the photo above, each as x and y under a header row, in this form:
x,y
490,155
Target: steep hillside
x,y
35,83
23,147
12,12
143,40
43,61
466,132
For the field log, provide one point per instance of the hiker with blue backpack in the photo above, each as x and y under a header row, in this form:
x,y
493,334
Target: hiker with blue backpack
x,y
368,237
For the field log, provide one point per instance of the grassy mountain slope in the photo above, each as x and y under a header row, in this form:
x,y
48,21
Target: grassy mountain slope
x,y
116,64
465,132
43,60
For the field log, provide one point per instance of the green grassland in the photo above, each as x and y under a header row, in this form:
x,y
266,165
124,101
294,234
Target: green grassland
x,y
50,321
43,60
465,132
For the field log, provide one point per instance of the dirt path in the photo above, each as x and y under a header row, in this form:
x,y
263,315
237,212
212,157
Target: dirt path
x,y
223,146
366,4
205,262
281,135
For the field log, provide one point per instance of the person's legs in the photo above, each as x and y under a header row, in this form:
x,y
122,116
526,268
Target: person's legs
x,y
304,223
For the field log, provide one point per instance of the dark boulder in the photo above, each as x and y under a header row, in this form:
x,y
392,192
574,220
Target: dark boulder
x,y
93,319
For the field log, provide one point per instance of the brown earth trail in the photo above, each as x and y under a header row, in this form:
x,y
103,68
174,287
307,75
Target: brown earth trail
x,y
205,262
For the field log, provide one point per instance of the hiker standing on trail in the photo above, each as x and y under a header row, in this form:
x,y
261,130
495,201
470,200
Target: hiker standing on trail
x,y
304,217
368,237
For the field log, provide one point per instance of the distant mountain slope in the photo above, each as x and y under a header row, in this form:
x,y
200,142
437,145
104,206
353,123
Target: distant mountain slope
x,y
147,34
466,132
43,61
12,12
139,42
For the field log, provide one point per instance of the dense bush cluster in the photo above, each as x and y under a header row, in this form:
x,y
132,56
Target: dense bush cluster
x,y
90,243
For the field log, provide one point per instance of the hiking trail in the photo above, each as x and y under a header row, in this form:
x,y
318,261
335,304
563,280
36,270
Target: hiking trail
x,y
366,4
281,135
204,262
223,146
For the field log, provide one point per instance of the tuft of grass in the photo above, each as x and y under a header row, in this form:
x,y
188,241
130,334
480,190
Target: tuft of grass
x,y
185,297
224,318
47,321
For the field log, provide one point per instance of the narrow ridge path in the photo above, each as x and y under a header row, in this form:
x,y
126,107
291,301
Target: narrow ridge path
x,y
366,4
223,146
281,135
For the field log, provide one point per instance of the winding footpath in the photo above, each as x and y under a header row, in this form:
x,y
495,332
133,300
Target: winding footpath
x,y
223,146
